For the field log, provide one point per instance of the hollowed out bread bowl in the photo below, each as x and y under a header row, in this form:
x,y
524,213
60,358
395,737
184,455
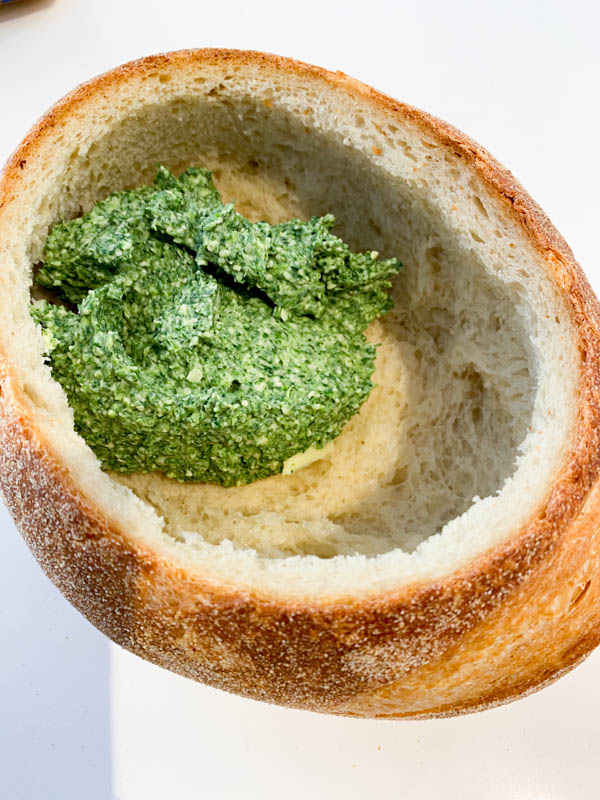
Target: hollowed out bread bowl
x,y
442,557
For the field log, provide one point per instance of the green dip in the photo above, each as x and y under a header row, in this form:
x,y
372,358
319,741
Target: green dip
x,y
206,346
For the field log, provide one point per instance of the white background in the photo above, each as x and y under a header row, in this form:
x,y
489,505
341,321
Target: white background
x,y
79,719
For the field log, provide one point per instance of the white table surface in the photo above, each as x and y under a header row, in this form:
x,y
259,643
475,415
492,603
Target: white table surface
x,y
80,719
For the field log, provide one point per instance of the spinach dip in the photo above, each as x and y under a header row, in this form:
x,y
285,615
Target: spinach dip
x,y
203,345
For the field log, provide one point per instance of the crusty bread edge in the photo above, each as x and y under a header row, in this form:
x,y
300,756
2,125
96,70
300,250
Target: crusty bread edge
x,y
304,653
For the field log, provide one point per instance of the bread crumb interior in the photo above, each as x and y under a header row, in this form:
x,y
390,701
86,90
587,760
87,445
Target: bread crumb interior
x,y
461,395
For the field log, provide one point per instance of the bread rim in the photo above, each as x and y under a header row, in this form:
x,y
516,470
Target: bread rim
x,y
456,645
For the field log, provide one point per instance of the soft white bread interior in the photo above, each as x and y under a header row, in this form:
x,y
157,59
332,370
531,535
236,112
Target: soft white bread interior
x,y
475,374
478,371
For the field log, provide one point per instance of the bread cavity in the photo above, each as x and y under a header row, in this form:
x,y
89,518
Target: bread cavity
x,y
460,439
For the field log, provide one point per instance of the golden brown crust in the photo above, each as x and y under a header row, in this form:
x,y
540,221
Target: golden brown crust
x,y
424,650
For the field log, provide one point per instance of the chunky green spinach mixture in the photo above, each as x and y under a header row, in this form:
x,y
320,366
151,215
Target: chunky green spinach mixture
x,y
206,346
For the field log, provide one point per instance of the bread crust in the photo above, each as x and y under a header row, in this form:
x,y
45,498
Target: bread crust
x,y
424,650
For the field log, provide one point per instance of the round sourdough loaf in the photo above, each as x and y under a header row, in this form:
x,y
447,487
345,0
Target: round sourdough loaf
x,y
442,556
